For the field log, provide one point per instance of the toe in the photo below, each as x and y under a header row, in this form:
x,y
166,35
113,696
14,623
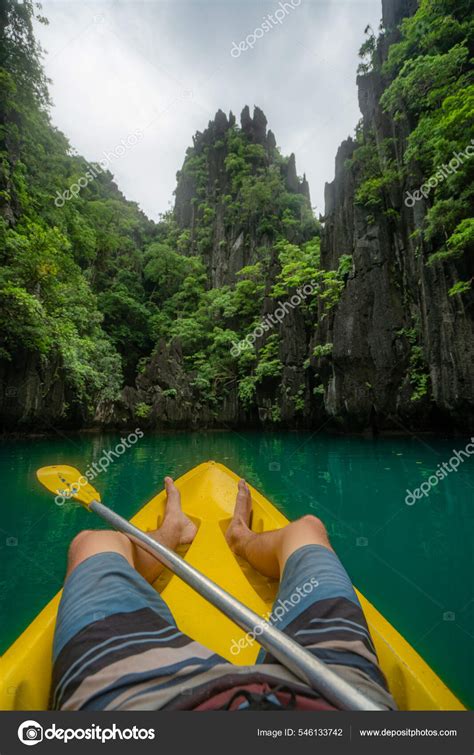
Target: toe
x,y
243,493
173,494
243,502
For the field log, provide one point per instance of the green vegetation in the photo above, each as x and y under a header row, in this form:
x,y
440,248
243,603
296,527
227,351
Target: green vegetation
x,y
322,350
434,85
431,94
299,265
92,287
376,171
367,51
418,374
299,399
142,410
73,286
459,288
419,378
250,194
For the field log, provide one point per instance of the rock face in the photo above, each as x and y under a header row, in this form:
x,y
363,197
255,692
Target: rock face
x,y
167,389
394,331
232,247
32,393
391,297
165,385
393,11
389,290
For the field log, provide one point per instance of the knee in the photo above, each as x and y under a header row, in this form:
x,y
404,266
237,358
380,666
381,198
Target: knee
x,y
97,540
80,540
309,530
312,524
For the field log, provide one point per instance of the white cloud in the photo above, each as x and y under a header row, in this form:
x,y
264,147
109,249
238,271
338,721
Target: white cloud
x,y
117,67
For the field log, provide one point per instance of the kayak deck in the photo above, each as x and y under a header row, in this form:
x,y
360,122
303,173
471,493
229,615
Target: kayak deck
x,y
208,497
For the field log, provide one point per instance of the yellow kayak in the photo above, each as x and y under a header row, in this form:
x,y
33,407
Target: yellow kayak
x,y
208,497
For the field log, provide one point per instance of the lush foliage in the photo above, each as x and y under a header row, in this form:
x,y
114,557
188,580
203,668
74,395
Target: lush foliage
x,y
239,186
71,286
432,91
91,286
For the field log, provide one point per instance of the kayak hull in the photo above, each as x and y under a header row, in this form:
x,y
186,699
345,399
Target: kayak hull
x,y
208,496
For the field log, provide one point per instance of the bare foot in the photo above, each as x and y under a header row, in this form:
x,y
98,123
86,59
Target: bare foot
x,y
174,515
238,531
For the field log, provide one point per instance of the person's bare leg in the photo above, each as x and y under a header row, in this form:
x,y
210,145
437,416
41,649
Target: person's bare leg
x,y
90,542
176,530
268,552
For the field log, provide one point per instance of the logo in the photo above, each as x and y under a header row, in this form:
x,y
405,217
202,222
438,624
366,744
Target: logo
x,y
30,733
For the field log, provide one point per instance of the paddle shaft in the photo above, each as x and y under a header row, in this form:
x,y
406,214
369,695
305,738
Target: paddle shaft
x,y
292,655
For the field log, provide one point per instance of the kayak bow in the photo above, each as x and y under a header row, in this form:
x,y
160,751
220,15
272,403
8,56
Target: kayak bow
x,y
208,497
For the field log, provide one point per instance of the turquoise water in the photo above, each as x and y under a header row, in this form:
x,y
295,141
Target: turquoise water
x,y
413,562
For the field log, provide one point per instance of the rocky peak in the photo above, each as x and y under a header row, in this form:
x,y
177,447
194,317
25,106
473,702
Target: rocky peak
x,y
220,123
254,128
291,175
292,180
207,200
304,188
216,129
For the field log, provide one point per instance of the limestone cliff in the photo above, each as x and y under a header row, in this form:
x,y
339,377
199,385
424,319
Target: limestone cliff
x,y
122,320
393,302
229,234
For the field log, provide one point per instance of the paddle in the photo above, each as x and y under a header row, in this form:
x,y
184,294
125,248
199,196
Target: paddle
x,y
68,482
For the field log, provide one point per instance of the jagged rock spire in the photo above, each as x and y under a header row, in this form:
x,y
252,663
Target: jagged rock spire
x,y
255,128
271,141
291,174
221,124
304,188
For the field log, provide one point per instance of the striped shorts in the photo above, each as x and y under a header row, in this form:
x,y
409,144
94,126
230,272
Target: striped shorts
x,y
117,646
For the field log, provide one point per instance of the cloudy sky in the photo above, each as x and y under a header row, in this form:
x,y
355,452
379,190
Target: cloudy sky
x,y
165,67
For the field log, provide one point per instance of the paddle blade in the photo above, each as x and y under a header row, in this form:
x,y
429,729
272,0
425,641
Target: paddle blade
x,y
67,482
